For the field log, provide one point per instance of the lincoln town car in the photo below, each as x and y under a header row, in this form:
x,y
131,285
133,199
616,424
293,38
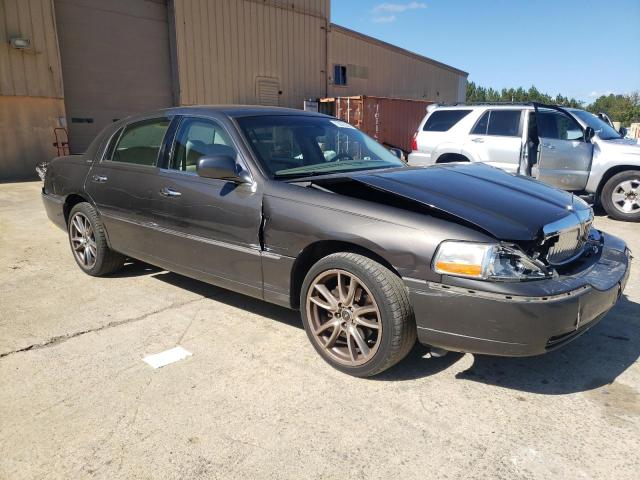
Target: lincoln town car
x,y
305,211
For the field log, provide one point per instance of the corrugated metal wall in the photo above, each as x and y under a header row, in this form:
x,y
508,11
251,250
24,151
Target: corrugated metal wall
x,y
33,72
31,104
381,69
227,50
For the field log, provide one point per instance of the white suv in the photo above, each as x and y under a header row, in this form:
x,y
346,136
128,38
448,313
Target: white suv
x,y
569,148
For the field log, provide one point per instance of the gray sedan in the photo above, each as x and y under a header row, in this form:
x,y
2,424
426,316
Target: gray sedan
x,y
305,211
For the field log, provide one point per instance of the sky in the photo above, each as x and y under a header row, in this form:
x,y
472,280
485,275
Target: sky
x,y
578,48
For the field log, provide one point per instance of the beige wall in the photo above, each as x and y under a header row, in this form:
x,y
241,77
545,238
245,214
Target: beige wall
x,y
380,69
36,71
230,51
26,134
31,104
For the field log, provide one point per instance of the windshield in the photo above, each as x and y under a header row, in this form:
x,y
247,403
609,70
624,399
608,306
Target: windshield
x,y
602,129
290,146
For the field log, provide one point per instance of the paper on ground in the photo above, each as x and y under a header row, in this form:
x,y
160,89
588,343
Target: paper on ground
x,y
161,359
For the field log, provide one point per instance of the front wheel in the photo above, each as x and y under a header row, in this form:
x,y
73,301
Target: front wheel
x,y
357,314
620,196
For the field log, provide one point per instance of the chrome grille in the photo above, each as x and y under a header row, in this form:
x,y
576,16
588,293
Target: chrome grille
x,y
569,242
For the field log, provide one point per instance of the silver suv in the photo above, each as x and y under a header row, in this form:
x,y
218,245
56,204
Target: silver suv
x,y
566,147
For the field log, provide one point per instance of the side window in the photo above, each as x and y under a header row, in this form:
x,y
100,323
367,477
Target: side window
x,y
140,142
199,138
558,126
483,123
111,147
504,123
443,120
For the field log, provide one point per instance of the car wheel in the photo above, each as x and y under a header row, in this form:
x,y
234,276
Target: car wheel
x,y
357,314
620,196
89,244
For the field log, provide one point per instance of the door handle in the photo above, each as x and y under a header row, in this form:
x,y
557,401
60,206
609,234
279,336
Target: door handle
x,y
478,140
169,192
99,178
549,146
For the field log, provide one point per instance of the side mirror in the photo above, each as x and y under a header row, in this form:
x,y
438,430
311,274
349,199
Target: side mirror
x,y
588,134
623,132
397,152
223,167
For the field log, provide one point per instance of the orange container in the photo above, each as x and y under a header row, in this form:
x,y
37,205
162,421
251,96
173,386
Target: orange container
x,y
391,121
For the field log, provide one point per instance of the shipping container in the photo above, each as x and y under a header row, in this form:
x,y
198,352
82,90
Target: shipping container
x,y
391,121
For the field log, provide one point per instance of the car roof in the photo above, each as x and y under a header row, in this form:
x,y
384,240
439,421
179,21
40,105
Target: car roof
x,y
235,111
484,106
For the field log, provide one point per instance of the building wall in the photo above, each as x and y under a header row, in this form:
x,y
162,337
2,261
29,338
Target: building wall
x,y
115,60
31,90
251,52
380,69
26,134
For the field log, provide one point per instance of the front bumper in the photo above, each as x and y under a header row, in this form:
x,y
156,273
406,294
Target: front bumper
x,y
526,318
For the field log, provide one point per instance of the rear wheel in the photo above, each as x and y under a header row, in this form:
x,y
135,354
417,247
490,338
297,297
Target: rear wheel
x,y
620,196
357,314
89,244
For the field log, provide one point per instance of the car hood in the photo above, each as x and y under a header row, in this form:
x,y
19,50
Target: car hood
x,y
509,207
623,145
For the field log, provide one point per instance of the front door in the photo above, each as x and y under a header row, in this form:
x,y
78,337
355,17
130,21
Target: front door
x,y
563,155
496,139
207,228
120,184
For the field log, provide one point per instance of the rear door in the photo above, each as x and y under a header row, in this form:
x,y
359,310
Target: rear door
x,y
120,183
496,139
564,157
204,227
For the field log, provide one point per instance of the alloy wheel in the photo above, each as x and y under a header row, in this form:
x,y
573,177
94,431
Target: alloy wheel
x,y
344,317
83,240
626,196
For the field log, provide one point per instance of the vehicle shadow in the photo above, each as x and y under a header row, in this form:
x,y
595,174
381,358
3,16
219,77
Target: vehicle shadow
x,y
595,359
232,299
135,268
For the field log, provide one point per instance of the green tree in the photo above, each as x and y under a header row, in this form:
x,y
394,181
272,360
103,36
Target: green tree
x,y
477,93
620,108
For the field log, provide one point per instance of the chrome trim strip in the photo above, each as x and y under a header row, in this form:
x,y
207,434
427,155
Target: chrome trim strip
x,y
577,219
153,226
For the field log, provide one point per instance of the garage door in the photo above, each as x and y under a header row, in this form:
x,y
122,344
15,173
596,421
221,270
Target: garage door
x,y
115,62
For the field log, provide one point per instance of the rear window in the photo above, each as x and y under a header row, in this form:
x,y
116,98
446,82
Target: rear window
x,y
443,120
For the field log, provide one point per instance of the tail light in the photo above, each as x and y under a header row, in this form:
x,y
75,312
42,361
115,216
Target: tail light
x,y
414,142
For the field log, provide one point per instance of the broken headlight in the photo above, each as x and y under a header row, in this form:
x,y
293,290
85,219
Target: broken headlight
x,y
486,261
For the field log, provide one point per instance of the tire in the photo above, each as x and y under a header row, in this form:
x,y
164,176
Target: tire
x,y
620,196
361,333
100,259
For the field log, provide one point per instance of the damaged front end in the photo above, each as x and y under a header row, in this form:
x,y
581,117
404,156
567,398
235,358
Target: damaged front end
x,y
538,230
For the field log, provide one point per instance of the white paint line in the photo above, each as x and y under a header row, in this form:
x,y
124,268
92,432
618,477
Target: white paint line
x,y
172,355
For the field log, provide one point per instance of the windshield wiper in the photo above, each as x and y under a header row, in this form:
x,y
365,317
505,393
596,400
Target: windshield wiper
x,y
312,173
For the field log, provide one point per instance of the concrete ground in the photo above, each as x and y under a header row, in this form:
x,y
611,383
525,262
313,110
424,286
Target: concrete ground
x,y
255,401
